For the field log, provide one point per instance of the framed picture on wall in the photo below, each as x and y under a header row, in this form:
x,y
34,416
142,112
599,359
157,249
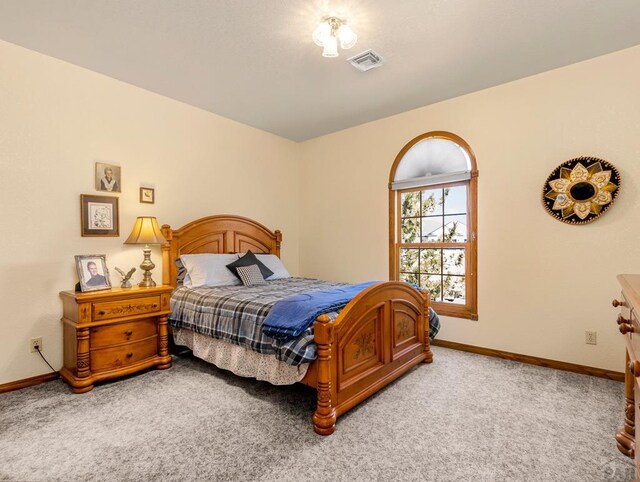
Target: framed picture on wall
x,y
147,195
107,177
92,272
99,215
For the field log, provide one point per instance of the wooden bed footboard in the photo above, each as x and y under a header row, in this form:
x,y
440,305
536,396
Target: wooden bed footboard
x,y
381,334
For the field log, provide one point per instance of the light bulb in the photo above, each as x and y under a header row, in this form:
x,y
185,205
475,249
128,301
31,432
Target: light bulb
x,y
321,33
330,47
347,38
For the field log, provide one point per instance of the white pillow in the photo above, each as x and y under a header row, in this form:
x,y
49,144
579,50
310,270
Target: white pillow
x,y
274,263
208,270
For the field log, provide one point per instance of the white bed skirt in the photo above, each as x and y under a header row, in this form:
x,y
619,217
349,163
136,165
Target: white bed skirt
x,y
239,360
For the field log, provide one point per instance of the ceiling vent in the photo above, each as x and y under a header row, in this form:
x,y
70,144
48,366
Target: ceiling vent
x,y
366,60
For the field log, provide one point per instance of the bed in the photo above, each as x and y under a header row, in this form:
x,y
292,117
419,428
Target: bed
x,y
380,335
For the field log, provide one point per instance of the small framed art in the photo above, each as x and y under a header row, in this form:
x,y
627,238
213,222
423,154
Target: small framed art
x,y
147,195
99,215
107,177
92,272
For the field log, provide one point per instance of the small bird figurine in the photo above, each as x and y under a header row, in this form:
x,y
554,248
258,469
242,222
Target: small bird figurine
x,y
125,283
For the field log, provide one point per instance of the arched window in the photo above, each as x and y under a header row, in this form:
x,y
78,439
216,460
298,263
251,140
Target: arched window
x,y
433,221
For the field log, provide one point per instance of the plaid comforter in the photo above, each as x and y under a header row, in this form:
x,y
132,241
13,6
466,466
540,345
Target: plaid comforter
x,y
235,314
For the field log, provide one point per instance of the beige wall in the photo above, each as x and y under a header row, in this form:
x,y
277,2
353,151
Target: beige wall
x,y
56,120
542,283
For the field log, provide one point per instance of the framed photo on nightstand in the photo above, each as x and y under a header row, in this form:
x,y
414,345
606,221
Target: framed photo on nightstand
x,y
92,272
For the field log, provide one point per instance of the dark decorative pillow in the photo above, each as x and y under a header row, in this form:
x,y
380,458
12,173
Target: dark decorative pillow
x,y
251,275
247,260
182,272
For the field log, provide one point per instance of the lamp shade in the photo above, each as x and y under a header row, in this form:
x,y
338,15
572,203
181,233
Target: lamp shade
x,y
321,33
146,231
347,38
330,47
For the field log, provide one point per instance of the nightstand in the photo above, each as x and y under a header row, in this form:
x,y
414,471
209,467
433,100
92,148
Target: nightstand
x,y
115,332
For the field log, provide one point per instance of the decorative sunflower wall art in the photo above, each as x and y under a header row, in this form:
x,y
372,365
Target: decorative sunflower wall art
x,y
579,190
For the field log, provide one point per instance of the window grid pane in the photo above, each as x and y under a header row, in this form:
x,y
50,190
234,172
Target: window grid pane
x,y
453,261
455,229
411,230
431,202
431,229
434,285
411,278
455,200
409,262
431,261
454,289
410,204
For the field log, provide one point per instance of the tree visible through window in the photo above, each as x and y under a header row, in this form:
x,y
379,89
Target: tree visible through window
x,y
433,229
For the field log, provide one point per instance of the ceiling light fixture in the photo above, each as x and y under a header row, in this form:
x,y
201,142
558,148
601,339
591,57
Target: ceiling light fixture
x,y
330,30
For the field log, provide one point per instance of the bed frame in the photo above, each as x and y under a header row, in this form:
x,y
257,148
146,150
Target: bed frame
x,y
381,334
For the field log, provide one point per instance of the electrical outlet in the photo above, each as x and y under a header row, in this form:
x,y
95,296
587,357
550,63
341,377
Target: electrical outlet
x,y
591,337
35,342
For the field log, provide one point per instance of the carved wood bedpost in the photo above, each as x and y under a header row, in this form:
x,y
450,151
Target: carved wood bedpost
x,y
324,418
427,341
163,334
166,254
278,235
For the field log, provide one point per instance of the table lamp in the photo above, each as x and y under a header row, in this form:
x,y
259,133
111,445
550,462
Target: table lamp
x,y
146,231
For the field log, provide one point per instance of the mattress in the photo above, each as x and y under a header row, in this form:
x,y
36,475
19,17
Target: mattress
x,y
234,314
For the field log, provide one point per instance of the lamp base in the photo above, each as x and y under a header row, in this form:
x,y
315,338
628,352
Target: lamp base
x,y
147,283
146,267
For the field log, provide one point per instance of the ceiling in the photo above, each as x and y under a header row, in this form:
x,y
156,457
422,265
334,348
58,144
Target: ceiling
x,y
255,62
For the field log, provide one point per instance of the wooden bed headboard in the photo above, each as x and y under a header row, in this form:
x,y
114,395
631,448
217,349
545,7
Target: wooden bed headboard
x,y
221,234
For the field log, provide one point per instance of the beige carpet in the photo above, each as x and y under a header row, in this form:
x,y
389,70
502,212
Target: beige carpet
x,y
465,417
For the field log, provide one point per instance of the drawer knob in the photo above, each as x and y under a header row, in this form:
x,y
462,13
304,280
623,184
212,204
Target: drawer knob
x,y
622,319
129,355
617,303
154,306
625,328
102,312
128,332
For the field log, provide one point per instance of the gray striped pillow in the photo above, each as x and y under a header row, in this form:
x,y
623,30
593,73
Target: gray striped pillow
x,y
251,275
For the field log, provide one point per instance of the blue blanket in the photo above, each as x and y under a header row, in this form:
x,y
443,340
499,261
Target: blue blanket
x,y
291,316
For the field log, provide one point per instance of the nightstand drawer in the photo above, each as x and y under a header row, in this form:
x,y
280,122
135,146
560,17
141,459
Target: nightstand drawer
x,y
124,308
123,355
115,334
